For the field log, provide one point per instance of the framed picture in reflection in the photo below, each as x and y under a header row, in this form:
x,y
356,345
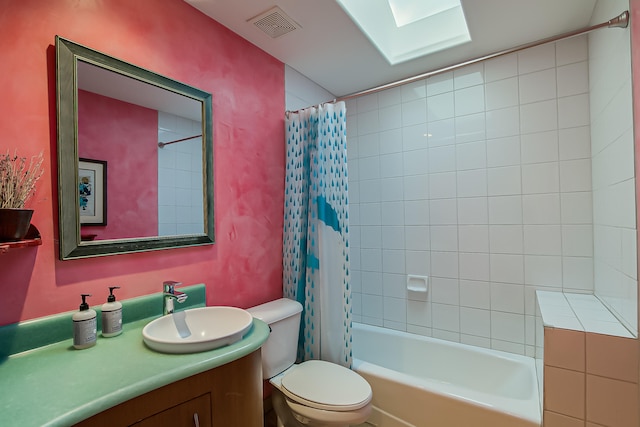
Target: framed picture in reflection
x,y
92,191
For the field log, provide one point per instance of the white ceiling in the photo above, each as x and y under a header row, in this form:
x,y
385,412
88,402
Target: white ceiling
x,y
330,49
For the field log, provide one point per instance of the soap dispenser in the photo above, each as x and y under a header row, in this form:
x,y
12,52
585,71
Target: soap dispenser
x,y
111,315
84,326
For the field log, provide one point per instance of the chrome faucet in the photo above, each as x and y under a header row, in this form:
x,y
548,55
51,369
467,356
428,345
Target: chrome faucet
x,y
169,294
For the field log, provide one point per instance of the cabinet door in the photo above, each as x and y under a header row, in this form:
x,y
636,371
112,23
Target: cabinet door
x,y
192,413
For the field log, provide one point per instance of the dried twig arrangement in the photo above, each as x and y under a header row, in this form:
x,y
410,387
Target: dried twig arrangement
x,y
18,179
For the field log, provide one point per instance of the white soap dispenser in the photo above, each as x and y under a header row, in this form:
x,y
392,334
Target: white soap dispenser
x,y
84,326
111,315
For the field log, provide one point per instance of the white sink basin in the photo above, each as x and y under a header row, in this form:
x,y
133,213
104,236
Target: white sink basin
x,y
197,329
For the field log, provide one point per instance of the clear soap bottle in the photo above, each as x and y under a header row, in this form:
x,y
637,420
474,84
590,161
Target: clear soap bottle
x,y
84,326
111,315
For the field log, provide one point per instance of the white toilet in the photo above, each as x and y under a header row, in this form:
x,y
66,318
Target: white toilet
x,y
313,393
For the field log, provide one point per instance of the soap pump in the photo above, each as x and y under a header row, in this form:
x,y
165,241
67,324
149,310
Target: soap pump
x,y
111,315
84,326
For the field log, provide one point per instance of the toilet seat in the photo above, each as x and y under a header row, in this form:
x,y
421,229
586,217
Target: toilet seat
x,y
327,386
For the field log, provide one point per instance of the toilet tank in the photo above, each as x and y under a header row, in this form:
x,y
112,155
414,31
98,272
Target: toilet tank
x,y
280,350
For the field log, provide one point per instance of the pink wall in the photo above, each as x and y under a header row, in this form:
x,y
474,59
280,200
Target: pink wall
x,y
126,137
244,267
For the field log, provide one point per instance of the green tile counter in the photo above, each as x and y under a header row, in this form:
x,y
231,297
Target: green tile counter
x,y
45,383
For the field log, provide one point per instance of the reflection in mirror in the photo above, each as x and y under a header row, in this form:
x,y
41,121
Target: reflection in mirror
x,y
152,138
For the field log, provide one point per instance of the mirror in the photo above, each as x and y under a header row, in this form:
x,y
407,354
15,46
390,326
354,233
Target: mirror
x,y
135,157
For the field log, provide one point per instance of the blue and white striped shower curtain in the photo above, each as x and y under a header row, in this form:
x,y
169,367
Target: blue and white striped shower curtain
x,y
316,231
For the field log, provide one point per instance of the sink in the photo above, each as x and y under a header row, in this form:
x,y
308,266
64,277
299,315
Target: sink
x,y
197,329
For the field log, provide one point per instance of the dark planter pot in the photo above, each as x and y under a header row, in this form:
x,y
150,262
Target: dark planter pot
x,y
14,223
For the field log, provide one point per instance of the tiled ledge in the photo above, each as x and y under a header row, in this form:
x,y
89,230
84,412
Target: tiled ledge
x,y
578,312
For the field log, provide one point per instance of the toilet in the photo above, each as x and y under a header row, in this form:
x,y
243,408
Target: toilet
x,y
314,393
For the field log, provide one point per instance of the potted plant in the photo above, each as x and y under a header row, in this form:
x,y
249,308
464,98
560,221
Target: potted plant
x,y
17,184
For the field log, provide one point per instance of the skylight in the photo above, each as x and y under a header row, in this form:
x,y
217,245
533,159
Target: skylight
x,y
406,29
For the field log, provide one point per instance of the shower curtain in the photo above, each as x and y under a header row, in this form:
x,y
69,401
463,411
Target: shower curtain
x,y
316,231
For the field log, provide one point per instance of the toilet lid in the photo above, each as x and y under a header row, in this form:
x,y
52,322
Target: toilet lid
x,y
325,385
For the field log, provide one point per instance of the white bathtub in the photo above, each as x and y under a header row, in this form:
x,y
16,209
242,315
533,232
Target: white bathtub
x,y
427,382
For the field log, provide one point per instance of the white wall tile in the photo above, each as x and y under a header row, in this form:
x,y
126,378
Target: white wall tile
x,y
416,212
575,175
440,107
504,181
415,162
445,291
573,79
543,270
539,116
391,213
541,178
503,122
393,261
501,67
371,283
505,210
537,58
390,118
503,151
442,185
442,132
507,297
469,100
391,189
572,50
573,111
471,155
444,264
506,239
418,262
471,127
506,268
390,141
577,240
576,208
391,237
414,112
442,159
540,147
541,208
475,322
371,237
542,240
394,285
474,266
443,212
414,137
446,317
476,294
389,97
473,238
444,238
471,75
370,191
473,210
472,183
507,327
575,143
419,313
416,187
417,238
440,83
502,94
537,86
413,91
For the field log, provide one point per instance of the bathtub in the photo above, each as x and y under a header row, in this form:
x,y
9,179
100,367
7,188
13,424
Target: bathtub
x,y
427,382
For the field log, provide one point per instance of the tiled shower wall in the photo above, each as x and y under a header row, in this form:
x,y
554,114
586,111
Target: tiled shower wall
x,y
614,202
479,178
180,208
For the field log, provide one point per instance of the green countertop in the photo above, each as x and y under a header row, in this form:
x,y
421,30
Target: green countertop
x,y
57,385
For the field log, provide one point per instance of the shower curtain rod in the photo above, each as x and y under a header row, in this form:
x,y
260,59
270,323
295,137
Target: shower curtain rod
x,y
620,21
162,144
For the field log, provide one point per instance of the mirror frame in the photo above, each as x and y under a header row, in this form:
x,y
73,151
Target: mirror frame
x,y
67,55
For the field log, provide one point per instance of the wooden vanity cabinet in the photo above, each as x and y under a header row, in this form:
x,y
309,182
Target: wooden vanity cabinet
x,y
227,396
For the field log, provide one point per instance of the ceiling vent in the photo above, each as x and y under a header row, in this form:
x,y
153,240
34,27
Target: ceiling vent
x,y
274,22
